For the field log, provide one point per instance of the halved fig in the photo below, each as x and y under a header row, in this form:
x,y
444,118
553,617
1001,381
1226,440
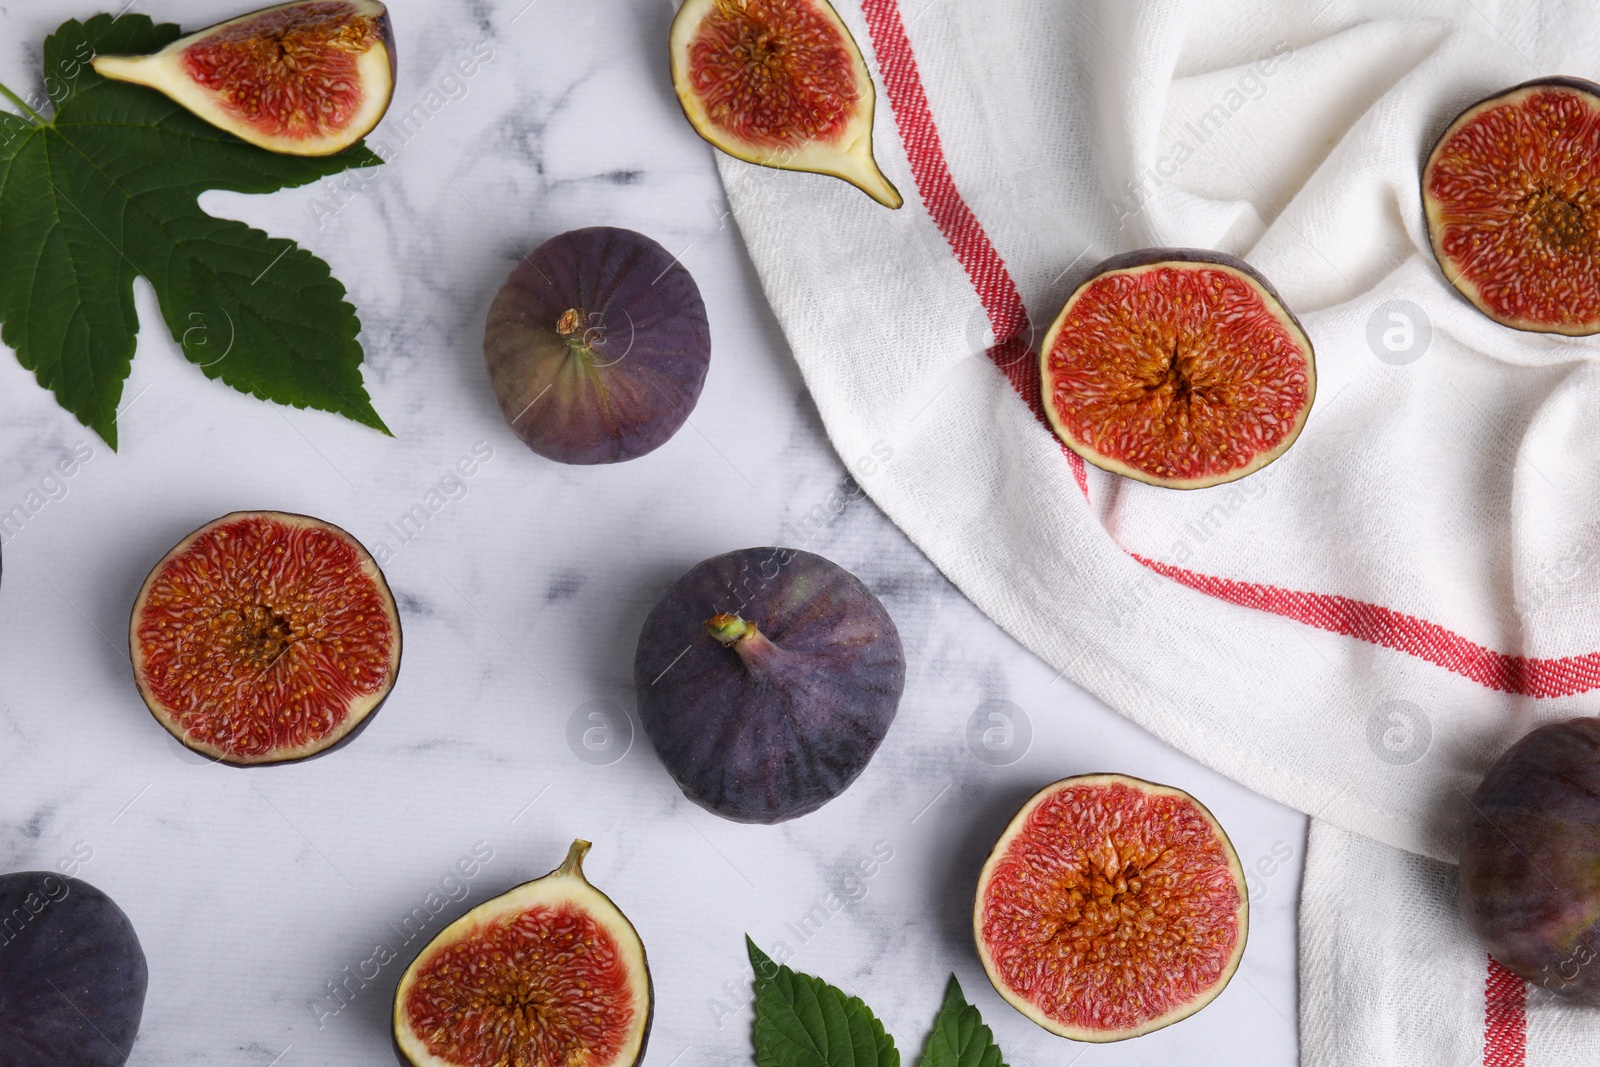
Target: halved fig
x,y
597,346
265,638
767,678
307,79
1178,367
72,974
780,83
550,974
1512,194
1530,859
1111,907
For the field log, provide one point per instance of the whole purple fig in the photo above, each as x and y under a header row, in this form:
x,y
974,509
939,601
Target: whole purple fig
x,y
767,679
1530,864
597,346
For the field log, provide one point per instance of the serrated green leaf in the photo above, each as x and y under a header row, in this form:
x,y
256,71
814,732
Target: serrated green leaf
x,y
802,1021
959,1038
107,191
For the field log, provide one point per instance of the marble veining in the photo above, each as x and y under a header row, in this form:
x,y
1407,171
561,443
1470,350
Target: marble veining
x,y
279,905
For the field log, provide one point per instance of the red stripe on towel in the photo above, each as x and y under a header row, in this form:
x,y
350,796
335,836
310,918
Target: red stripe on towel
x,y
998,292
1505,1018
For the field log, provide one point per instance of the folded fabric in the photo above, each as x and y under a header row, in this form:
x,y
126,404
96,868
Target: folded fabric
x,y
1360,628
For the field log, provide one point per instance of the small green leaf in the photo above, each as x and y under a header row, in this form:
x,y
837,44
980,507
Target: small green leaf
x,y
802,1021
959,1038
107,191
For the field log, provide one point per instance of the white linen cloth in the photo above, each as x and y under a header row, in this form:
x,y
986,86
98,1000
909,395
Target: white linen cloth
x,y
1363,626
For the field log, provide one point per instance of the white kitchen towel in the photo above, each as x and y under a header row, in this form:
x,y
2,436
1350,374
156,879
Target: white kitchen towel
x,y
1355,631
1400,980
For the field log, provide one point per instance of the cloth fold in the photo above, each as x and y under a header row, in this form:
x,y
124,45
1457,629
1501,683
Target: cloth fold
x,y
1358,629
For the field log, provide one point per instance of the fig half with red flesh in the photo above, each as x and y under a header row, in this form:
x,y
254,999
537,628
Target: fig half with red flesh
x,y
779,83
1512,195
550,974
1111,907
766,679
597,346
308,79
265,638
1178,367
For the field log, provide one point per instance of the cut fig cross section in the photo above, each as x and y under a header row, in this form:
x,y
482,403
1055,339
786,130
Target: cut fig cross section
x,y
1111,907
308,79
550,974
1512,194
1177,367
779,83
265,638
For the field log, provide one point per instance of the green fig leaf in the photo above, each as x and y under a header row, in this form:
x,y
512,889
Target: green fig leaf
x,y
802,1021
107,190
959,1038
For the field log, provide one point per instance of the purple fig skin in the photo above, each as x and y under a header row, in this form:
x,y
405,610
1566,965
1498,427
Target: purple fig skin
x,y
72,974
1530,863
767,678
597,346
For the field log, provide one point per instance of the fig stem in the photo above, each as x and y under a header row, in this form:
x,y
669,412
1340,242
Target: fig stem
x,y
573,864
38,119
728,628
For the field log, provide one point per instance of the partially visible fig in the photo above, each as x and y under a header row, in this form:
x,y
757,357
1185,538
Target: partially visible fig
x,y
1111,907
72,974
597,346
1530,861
308,79
767,678
1512,194
550,974
780,83
265,637
1178,367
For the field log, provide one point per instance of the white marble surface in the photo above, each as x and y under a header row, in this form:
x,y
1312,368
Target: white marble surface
x,y
256,891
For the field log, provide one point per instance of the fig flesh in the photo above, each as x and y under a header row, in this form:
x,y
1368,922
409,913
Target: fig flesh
x,y
779,83
1111,907
767,678
1178,367
1512,195
597,346
264,637
72,974
550,974
309,78
1530,860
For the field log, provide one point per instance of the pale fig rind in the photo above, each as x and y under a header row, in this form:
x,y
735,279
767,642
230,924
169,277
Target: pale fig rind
x,y
1529,295
846,154
1230,869
374,72
1151,259
566,885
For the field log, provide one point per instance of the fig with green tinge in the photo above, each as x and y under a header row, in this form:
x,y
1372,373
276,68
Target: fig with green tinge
x,y
779,83
597,346
72,974
1530,860
767,678
550,974
310,78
